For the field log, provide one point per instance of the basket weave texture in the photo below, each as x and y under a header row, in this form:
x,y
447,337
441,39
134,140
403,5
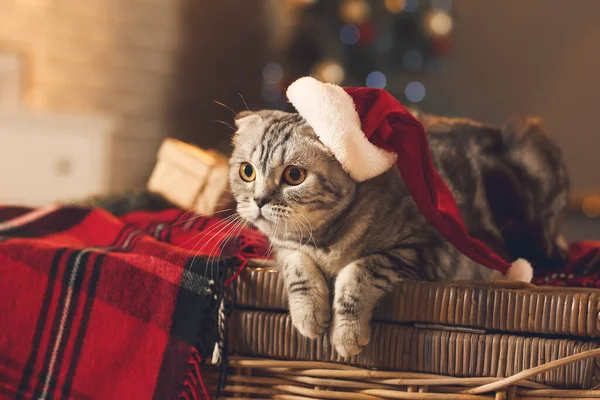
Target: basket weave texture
x,y
460,341
503,307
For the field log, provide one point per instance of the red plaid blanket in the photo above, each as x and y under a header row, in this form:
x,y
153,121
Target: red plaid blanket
x,y
583,269
96,307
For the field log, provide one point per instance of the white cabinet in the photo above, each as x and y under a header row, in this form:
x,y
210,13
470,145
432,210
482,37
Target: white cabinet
x,y
45,158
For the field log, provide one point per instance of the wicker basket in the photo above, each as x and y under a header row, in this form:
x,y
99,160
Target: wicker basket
x,y
429,341
266,378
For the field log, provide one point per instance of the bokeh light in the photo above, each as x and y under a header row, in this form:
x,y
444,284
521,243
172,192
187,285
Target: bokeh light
x,y
411,5
412,60
591,206
415,92
303,3
395,6
438,23
443,5
376,79
272,73
355,11
270,92
329,71
349,34
384,43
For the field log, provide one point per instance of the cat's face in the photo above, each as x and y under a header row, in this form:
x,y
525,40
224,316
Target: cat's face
x,y
285,181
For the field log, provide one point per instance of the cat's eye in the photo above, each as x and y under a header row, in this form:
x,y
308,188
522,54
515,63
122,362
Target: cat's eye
x,y
293,175
247,172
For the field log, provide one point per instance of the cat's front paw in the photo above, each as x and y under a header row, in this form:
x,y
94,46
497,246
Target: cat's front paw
x,y
310,315
349,336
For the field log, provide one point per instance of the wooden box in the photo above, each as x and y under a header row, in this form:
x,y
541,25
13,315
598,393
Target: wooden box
x,y
192,178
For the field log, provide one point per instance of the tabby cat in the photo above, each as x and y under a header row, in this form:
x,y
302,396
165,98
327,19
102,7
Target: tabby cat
x,y
342,245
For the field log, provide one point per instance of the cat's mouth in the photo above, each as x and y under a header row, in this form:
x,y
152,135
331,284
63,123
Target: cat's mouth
x,y
259,216
265,219
264,215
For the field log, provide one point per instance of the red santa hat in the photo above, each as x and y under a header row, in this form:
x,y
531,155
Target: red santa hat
x,y
368,131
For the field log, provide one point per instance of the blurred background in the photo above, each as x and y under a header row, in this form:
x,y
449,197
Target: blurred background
x,y
89,89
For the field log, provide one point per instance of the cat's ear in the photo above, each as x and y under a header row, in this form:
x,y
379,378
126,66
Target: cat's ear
x,y
520,127
246,119
416,112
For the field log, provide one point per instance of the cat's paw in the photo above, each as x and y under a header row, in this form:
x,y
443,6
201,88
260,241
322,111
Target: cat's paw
x,y
310,315
350,336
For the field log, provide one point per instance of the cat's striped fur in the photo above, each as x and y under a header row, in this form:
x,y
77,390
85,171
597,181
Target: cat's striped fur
x,y
342,245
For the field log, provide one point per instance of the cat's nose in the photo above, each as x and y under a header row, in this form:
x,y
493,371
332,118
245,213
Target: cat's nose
x,y
261,201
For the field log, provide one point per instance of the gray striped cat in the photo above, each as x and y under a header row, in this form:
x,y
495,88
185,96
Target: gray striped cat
x,y
342,245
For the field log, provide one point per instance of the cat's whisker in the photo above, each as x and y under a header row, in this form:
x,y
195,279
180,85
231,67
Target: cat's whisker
x,y
301,232
225,123
297,231
244,101
208,241
182,215
216,212
285,229
310,227
233,232
271,247
219,223
229,223
243,224
207,231
293,223
226,106
178,222
310,231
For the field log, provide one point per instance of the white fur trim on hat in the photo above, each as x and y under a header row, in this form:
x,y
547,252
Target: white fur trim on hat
x,y
520,270
331,112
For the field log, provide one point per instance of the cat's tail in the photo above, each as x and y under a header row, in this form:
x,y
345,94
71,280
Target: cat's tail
x,y
538,166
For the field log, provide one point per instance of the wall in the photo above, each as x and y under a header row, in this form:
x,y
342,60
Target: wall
x,y
155,66
225,45
535,56
101,57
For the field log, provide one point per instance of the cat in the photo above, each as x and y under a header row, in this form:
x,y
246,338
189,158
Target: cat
x,y
517,191
341,245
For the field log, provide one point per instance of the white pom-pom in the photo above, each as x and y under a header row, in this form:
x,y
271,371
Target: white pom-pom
x,y
520,270
331,112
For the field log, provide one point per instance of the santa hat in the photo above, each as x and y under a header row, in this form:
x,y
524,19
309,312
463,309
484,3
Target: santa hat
x,y
368,131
